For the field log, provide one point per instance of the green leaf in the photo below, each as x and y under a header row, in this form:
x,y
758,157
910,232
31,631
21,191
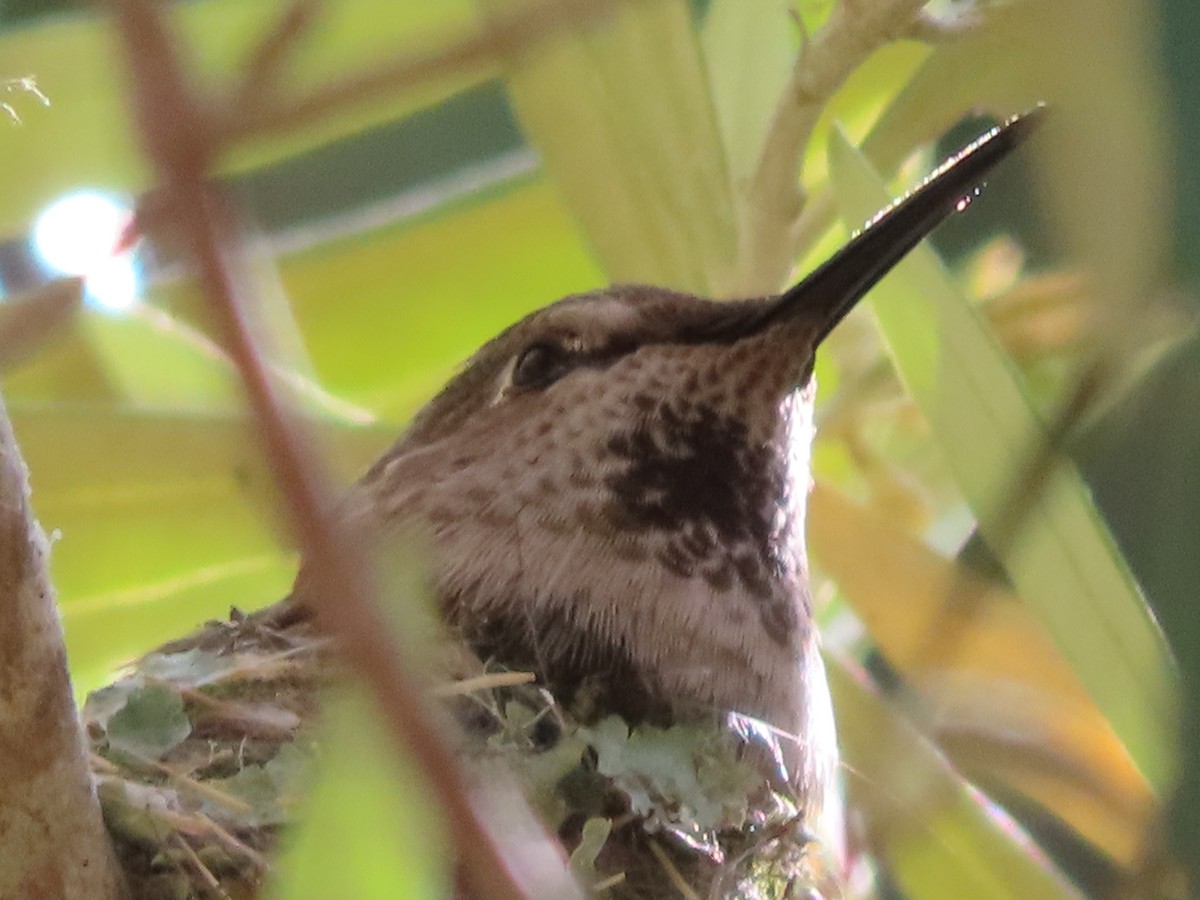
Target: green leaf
x,y
104,703
167,519
108,627
867,98
940,838
1108,173
150,724
1063,561
421,294
255,794
952,77
370,830
426,295
152,365
624,120
974,73
1008,708
261,794
749,48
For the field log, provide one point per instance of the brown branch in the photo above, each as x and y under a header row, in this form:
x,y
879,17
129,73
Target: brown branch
x,y
263,70
503,851
500,35
52,839
774,199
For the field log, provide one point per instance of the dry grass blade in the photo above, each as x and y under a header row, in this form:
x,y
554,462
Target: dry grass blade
x,y
496,866
197,864
487,682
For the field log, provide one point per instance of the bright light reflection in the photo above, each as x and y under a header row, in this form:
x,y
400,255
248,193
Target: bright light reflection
x,y
113,284
77,234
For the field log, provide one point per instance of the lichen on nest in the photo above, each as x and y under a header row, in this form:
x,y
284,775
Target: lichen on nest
x,y
202,751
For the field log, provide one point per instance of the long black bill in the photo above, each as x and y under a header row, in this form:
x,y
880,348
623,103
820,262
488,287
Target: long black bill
x,y
830,292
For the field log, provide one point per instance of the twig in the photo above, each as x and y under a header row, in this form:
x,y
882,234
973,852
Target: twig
x,y
205,873
511,866
261,73
483,683
774,198
502,34
256,859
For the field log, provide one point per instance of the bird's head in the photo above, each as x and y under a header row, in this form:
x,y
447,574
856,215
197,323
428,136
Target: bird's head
x,y
616,483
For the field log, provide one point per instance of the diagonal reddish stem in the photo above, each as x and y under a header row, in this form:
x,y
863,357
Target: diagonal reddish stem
x,y
177,138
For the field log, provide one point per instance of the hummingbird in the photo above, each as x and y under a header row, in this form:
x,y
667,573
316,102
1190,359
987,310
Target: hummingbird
x,y
613,490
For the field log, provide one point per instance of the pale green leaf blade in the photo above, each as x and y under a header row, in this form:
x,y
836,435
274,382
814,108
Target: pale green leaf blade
x,y
427,290
939,838
749,48
1008,708
426,295
370,830
115,624
623,117
166,520
1063,561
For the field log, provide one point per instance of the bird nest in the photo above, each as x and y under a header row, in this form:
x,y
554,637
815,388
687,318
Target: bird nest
x,y
202,752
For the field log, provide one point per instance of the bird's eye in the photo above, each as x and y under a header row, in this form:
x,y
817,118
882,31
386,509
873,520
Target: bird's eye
x,y
540,365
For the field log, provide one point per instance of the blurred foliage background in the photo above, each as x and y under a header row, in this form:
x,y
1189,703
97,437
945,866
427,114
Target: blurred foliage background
x,y
404,232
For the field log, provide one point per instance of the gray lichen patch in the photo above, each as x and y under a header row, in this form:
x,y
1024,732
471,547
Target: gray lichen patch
x,y
202,754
